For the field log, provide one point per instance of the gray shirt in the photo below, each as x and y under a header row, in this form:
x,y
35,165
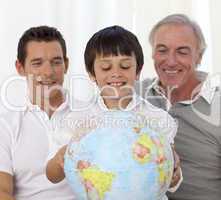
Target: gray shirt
x,y
198,143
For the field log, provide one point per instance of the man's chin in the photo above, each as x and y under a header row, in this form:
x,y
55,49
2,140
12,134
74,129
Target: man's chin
x,y
169,85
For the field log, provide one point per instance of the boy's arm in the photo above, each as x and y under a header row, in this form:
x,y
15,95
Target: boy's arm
x,y
55,166
6,186
177,177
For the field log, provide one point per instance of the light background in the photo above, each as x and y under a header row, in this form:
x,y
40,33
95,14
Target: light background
x,y
79,19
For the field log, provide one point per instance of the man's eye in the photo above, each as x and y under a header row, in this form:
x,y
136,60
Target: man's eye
x,y
37,64
183,52
161,50
57,62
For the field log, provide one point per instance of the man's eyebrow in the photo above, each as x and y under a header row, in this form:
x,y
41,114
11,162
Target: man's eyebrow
x,y
57,58
184,48
161,45
36,59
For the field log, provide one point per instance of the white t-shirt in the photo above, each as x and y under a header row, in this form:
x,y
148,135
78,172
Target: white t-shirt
x,y
156,118
27,139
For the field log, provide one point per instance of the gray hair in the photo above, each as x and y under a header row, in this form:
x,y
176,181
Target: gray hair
x,y
183,20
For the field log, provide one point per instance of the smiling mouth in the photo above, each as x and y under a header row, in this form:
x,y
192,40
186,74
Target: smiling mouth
x,y
172,72
47,83
117,84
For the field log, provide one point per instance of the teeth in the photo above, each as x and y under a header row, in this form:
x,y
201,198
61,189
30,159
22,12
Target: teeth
x,y
171,71
116,84
46,83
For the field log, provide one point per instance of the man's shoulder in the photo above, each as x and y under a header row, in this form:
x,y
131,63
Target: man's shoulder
x,y
143,86
10,119
148,81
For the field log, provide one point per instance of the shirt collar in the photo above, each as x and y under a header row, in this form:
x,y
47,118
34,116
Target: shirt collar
x,y
35,108
207,91
136,100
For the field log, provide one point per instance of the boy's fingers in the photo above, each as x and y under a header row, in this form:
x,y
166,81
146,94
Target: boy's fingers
x,y
176,177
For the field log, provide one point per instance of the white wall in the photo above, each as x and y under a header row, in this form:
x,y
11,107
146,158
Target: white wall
x,y
215,20
79,19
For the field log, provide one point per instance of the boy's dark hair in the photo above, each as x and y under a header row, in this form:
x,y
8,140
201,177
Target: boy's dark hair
x,y
39,34
113,40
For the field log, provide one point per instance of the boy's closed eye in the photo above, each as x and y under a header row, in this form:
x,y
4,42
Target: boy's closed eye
x,y
125,66
106,67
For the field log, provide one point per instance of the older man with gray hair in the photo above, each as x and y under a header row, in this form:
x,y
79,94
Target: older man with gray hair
x,y
192,98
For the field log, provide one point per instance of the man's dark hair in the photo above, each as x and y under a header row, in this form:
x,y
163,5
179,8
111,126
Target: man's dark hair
x,y
39,34
113,40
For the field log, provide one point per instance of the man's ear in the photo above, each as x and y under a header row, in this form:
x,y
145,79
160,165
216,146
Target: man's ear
x,y
20,68
66,65
199,59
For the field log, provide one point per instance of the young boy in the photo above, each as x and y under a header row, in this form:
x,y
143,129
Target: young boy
x,y
114,59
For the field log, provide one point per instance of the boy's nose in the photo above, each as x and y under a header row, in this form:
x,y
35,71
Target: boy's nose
x,y
116,72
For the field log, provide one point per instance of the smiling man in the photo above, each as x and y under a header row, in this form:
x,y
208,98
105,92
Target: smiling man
x,y
28,137
191,97
176,55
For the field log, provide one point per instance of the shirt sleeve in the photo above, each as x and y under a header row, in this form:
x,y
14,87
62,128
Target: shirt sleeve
x,y
6,164
172,129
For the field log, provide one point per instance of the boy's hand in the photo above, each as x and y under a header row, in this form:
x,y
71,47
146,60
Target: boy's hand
x,y
55,166
59,157
177,170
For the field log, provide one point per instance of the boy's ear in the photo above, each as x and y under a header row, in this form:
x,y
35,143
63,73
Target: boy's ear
x,y
66,64
138,76
20,68
92,77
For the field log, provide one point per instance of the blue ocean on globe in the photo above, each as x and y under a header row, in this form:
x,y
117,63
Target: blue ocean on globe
x,y
119,158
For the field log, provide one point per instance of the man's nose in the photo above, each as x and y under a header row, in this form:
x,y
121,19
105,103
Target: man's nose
x,y
48,69
171,60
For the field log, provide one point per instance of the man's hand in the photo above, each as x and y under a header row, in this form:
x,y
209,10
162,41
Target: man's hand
x,y
6,186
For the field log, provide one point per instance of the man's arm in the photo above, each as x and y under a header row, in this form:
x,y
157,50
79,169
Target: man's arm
x,y
6,186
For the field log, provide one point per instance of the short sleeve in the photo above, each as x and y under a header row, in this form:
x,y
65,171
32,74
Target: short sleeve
x,y
6,164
